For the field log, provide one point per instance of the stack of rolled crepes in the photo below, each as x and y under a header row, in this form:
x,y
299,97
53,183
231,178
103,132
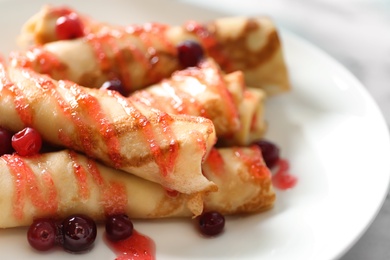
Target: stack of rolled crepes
x,y
151,154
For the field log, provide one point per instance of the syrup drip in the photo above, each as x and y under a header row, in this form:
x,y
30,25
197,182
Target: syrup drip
x,y
27,187
282,179
136,247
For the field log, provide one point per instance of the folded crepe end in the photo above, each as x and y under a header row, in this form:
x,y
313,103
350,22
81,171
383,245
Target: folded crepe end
x,y
195,204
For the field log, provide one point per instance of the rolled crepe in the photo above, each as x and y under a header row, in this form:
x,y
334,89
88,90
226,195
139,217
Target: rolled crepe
x,y
243,179
140,55
252,120
167,149
41,27
206,91
61,183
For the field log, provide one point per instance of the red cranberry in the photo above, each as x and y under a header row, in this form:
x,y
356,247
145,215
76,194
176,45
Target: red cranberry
x,y
211,223
114,84
189,53
69,27
79,233
27,142
270,151
118,227
42,234
5,141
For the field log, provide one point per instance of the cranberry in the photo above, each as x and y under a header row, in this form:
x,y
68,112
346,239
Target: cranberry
x,y
79,233
5,141
118,227
69,27
211,223
27,142
42,234
189,53
114,84
270,151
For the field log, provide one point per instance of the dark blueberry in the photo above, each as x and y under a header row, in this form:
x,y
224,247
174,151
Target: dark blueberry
x,y
270,151
79,233
211,223
118,227
5,141
114,84
189,53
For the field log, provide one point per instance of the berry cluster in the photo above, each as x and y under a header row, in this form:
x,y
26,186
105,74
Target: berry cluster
x,y
76,233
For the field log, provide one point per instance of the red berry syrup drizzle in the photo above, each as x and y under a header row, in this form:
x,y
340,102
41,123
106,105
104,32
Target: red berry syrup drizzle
x,y
256,165
217,84
27,187
282,178
215,162
41,60
109,41
135,247
9,88
179,101
112,194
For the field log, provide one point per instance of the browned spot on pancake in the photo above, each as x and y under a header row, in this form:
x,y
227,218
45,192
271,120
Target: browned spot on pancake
x,y
168,206
237,51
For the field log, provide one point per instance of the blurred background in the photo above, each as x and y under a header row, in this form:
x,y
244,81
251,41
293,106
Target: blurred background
x,y
357,34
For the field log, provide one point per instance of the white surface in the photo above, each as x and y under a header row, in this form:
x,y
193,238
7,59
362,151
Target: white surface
x,y
321,126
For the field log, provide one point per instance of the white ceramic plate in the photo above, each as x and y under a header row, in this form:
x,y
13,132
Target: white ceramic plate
x,y
328,127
